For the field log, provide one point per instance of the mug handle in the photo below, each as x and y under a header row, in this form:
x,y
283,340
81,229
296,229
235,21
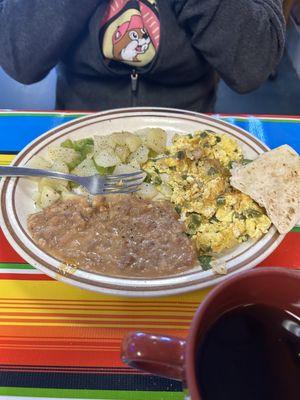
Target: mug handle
x,y
156,354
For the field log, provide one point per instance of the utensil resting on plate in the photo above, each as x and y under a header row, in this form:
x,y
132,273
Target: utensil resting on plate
x,y
95,184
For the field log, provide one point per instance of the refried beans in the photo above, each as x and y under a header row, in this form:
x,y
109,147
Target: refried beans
x,y
115,235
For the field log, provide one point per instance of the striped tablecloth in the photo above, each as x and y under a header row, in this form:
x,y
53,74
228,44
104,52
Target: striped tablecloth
x,y
58,341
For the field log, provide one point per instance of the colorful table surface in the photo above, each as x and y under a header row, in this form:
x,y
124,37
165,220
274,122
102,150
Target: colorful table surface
x,y
58,341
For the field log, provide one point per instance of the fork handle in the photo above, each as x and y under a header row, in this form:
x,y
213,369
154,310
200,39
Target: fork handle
x,y
23,171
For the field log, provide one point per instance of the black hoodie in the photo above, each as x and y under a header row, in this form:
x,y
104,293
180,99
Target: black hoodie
x,y
242,40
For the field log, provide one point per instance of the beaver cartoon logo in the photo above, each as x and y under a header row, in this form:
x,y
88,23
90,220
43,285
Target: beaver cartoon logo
x,y
130,39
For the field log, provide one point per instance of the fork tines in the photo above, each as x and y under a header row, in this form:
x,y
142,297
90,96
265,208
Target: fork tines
x,y
135,174
123,183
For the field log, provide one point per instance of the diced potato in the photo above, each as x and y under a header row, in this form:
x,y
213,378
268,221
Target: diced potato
x,y
156,140
132,141
85,168
60,166
147,191
140,155
48,197
37,198
135,165
63,154
124,169
142,133
58,185
122,152
120,137
106,158
103,142
39,162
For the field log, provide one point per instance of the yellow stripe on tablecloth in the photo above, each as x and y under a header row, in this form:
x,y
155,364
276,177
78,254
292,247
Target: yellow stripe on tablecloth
x,y
87,313
6,159
55,290
111,311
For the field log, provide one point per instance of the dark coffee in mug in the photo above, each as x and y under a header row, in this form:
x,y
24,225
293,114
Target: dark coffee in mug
x,y
243,342
251,353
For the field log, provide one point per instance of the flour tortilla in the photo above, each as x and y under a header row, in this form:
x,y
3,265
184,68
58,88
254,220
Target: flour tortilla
x,y
273,181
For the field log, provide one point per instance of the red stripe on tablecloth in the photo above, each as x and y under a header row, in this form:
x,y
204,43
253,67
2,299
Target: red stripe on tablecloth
x,y
68,355
26,277
287,253
7,253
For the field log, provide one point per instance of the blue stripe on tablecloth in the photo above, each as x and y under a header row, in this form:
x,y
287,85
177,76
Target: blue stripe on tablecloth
x,y
17,130
92,381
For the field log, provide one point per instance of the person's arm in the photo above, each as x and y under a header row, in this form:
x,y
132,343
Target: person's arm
x,y
242,39
35,34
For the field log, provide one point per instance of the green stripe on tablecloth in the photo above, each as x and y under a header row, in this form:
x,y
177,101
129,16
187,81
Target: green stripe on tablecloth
x,y
90,394
296,229
15,266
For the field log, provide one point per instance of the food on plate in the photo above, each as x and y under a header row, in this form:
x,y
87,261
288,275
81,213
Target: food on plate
x,y
117,153
115,235
191,175
195,177
273,181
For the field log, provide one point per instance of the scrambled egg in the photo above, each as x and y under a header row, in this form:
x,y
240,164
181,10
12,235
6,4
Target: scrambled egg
x,y
195,177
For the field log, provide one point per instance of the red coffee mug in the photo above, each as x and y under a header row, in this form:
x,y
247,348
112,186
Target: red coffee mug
x,y
175,358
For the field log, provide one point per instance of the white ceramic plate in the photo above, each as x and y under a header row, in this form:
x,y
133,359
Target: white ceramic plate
x,y
17,203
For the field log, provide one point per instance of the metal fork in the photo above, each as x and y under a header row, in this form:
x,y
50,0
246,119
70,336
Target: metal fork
x,y
95,184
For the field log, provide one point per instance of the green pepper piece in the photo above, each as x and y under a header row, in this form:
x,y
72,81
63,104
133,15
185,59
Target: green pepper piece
x,y
245,237
74,163
230,164
206,249
213,219
84,147
147,178
252,213
180,155
192,229
178,209
68,144
205,262
196,219
152,154
104,170
246,161
73,185
212,171
221,201
79,144
239,216
157,180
